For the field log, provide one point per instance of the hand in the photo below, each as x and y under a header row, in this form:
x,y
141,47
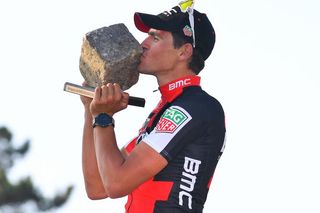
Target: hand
x,y
109,99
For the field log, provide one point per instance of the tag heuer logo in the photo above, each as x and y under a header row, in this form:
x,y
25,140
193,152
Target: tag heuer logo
x,y
171,119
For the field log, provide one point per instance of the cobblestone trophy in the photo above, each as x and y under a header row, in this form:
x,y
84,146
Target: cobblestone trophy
x,y
109,55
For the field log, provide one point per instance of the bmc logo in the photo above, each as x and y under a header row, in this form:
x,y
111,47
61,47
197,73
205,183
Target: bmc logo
x,y
180,83
191,168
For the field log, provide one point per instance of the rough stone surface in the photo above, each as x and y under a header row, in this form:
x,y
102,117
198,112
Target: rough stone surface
x,y
110,55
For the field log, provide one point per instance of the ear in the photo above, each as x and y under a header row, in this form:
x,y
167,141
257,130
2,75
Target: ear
x,y
186,51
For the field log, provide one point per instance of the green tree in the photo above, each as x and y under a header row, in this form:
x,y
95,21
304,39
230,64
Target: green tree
x,y
14,196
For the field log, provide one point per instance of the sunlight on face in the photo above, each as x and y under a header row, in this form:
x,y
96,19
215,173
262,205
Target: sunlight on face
x,y
159,53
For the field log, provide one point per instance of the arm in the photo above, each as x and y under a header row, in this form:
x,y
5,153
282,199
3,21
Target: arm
x,y
120,175
92,179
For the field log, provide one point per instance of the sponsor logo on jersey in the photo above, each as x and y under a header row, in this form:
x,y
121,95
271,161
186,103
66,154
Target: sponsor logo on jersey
x,y
188,180
172,119
180,83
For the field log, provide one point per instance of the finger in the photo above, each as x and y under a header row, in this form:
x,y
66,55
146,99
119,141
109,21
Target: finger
x,y
104,92
110,92
117,92
125,96
125,99
97,93
85,99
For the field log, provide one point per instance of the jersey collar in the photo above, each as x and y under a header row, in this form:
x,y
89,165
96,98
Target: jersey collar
x,y
173,89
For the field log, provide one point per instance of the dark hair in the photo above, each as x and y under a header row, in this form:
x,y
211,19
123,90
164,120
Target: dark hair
x,y
197,63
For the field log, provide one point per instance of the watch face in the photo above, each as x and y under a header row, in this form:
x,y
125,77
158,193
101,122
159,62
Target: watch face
x,y
103,120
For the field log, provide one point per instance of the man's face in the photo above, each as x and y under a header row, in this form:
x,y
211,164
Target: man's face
x,y
159,55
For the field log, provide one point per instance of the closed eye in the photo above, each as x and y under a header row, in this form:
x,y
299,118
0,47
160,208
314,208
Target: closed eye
x,y
154,35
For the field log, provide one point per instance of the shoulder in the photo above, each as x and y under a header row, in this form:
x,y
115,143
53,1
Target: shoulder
x,y
199,103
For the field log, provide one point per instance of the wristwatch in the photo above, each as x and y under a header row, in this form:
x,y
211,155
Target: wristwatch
x,y
103,120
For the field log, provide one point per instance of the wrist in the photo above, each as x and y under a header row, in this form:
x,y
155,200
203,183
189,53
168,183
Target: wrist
x,y
88,116
102,120
96,114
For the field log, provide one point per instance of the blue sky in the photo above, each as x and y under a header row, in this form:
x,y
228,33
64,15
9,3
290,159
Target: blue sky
x,y
264,70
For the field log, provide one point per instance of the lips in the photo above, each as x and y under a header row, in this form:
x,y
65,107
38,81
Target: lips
x,y
144,54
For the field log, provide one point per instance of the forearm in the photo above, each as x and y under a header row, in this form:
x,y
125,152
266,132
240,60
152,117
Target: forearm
x,y
92,179
110,160
110,99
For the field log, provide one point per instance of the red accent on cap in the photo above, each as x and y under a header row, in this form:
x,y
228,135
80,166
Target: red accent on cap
x,y
139,23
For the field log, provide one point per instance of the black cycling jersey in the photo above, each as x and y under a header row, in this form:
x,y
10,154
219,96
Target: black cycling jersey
x,y
188,129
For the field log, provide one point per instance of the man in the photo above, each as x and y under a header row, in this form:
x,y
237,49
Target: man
x,y
168,167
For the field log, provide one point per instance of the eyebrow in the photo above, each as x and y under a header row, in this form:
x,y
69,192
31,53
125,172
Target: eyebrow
x,y
153,33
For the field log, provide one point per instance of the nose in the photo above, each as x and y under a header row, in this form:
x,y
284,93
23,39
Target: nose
x,y
145,43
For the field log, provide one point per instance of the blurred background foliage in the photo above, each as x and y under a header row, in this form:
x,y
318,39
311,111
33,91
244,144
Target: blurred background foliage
x,y
14,197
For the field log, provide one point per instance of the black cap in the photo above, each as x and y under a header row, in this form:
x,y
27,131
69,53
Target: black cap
x,y
178,22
